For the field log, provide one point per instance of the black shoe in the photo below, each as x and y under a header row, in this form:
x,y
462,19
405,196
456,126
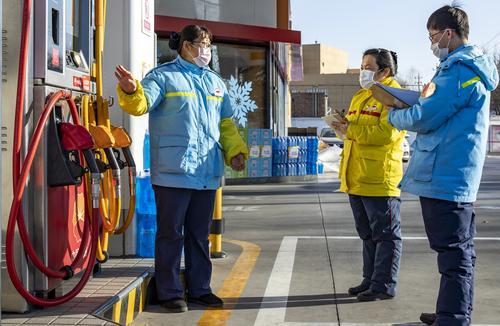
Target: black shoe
x,y
428,318
209,300
175,305
355,290
370,295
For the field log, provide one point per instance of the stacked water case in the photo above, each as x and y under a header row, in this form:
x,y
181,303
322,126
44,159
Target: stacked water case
x,y
260,162
145,209
312,155
295,156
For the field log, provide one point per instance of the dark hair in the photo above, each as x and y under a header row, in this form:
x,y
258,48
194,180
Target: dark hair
x,y
385,59
450,17
188,33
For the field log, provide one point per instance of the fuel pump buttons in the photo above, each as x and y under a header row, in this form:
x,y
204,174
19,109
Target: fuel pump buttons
x,y
77,59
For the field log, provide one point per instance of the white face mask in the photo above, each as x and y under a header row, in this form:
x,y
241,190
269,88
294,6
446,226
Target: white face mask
x,y
441,54
366,78
203,58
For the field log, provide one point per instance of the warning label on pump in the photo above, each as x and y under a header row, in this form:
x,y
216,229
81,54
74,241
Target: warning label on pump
x,y
77,82
82,83
147,17
86,83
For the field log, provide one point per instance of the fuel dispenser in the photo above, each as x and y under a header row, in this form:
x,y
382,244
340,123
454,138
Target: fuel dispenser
x,y
65,175
112,146
51,156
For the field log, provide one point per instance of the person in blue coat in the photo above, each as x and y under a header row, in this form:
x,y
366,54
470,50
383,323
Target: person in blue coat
x,y
451,121
192,134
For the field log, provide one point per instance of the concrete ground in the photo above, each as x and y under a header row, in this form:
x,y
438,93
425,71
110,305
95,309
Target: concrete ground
x,y
294,260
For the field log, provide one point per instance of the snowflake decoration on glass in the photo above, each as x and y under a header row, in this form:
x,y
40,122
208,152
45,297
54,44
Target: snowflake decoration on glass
x,y
240,100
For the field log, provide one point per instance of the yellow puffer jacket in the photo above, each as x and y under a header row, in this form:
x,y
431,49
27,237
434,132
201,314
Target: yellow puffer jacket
x,y
371,162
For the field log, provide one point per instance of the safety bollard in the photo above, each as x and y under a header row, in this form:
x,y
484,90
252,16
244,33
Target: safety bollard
x,y
217,228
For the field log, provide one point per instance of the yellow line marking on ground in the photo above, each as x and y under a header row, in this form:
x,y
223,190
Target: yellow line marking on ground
x,y
234,284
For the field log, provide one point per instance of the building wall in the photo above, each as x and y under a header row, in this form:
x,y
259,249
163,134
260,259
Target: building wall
x,y
270,87
340,88
309,105
323,59
249,12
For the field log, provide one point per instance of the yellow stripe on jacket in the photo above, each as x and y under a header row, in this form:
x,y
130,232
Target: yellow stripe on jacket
x,y
230,139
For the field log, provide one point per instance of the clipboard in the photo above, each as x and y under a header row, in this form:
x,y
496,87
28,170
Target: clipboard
x,y
335,117
395,97
331,119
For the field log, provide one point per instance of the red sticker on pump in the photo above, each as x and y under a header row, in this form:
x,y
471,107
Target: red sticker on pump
x,y
86,83
77,82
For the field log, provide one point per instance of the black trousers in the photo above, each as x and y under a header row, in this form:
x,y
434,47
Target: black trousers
x,y
183,218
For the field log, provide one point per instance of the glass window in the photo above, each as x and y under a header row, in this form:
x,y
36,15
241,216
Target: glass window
x,y
243,68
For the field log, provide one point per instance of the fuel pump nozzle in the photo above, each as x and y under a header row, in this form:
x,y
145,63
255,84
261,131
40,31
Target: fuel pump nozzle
x,y
77,138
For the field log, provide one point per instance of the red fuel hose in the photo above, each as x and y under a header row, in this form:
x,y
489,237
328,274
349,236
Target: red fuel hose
x,y
30,251
14,215
16,156
20,178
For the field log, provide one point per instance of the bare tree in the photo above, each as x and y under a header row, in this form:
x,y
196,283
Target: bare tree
x,y
412,79
495,95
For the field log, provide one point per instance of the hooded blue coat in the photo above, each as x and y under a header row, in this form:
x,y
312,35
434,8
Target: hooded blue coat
x,y
452,128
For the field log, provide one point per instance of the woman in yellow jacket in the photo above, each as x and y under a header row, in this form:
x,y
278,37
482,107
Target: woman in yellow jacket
x,y
370,171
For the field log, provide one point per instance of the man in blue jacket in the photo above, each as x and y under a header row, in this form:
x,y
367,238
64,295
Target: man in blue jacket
x,y
451,121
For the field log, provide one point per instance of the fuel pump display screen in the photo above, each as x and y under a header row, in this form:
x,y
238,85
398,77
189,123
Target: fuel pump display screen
x,y
74,38
73,25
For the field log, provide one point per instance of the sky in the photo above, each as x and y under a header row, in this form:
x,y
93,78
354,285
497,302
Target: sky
x,y
398,25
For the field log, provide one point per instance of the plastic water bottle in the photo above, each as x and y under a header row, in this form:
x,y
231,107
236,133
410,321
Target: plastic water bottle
x,y
146,152
145,216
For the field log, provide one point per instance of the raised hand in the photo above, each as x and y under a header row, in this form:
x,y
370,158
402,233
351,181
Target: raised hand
x,y
125,79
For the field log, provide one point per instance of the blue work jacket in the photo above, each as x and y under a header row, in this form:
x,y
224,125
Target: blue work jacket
x,y
451,120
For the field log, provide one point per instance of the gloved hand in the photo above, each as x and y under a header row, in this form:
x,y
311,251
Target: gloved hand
x,y
238,162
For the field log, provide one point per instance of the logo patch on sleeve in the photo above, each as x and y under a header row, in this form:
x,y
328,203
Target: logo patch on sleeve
x,y
428,90
218,92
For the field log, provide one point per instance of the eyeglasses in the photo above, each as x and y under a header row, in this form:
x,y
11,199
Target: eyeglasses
x,y
431,36
204,45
